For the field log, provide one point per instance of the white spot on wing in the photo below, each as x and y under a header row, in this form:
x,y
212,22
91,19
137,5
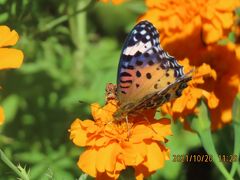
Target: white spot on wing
x,y
141,47
143,32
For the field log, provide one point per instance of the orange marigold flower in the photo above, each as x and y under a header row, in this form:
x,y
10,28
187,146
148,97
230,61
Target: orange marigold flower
x,y
112,146
206,20
9,58
115,2
225,60
191,29
186,104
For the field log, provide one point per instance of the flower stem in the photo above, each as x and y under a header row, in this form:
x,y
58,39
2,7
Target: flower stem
x,y
207,142
236,127
19,171
236,151
78,29
64,18
202,125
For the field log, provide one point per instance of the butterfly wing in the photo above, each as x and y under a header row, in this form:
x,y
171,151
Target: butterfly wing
x,y
145,70
156,99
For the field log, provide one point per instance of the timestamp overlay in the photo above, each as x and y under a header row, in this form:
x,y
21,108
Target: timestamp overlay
x,y
204,158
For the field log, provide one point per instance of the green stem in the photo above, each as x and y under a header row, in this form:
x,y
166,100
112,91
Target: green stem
x,y
236,127
78,29
236,150
202,125
64,18
207,142
5,159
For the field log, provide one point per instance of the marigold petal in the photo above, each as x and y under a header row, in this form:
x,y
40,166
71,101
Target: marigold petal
x,y
211,33
107,157
155,157
77,133
131,155
141,132
179,104
211,99
163,129
102,141
226,115
7,37
226,19
10,58
87,161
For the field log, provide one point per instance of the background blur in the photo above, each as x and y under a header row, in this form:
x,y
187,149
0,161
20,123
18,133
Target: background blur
x,y
67,60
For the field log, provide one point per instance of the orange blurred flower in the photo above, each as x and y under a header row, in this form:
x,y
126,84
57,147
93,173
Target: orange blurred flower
x,y
186,104
206,20
191,29
9,58
113,146
115,2
225,60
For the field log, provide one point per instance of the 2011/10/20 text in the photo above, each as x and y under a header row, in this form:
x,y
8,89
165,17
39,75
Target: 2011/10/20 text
x,y
204,158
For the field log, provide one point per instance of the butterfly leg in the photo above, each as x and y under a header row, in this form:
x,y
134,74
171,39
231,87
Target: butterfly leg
x,y
128,129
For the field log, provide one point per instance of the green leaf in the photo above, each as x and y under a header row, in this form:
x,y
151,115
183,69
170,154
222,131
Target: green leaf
x,y
31,157
38,170
232,37
83,177
223,42
10,105
237,11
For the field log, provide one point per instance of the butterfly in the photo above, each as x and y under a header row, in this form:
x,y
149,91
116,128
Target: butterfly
x,y
147,75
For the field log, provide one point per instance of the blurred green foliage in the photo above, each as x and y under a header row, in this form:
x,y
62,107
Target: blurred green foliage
x,y
67,59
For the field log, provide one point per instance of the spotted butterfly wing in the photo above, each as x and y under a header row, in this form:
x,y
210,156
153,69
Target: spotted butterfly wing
x,y
147,75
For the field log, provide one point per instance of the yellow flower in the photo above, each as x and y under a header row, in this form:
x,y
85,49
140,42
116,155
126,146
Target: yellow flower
x,y
225,61
186,104
206,20
9,58
191,29
113,146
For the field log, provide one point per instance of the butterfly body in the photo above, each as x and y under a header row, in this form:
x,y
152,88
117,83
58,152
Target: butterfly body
x,y
147,75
